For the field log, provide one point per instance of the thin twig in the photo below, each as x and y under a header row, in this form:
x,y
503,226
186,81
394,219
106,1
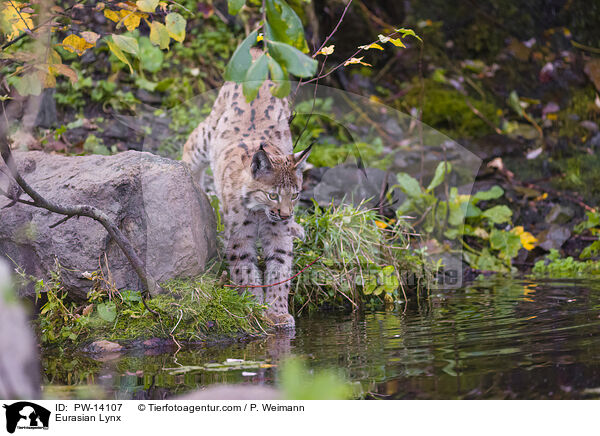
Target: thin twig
x,y
334,29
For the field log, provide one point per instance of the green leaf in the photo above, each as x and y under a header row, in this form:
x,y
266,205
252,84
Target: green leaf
x,y
487,262
491,194
147,5
241,60
159,35
29,84
282,86
151,57
127,44
409,185
508,243
107,311
235,6
176,26
370,286
285,25
515,103
257,74
442,169
118,53
498,214
407,32
292,59
456,215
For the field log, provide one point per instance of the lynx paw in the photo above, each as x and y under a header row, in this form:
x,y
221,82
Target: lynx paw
x,y
296,230
282,320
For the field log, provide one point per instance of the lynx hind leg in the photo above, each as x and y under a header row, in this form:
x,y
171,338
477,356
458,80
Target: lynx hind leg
x,y
277,242
241,234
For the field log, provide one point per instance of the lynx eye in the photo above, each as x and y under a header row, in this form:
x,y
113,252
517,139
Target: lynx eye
x,y
273,195
295,195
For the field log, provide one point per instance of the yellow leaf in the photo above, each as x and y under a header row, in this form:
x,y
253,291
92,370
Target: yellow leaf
x,y
159,35
374,45
397,42
112,15
76,44
50,78
131,19
326,50
356,61
381,224
528,241
13,20
518,230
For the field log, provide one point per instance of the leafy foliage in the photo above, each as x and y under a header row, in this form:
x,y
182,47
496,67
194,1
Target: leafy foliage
x,y
555,266
284,46
460,216
33,74
358,259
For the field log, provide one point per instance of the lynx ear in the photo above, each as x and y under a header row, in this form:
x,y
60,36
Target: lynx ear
x,y
261,164
301,156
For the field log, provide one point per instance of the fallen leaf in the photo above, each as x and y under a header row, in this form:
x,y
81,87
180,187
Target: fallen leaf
x,y
381,224
592,69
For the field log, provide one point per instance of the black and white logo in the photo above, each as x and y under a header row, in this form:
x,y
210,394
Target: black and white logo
x,y
26,415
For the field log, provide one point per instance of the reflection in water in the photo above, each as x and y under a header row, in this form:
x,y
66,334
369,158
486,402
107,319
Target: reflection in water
x,y
498,339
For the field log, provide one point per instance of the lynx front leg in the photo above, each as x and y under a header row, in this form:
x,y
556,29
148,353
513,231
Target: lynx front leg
x,y
241,235
277,242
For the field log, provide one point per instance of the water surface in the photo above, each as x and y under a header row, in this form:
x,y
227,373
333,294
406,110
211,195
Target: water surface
x,y
494,339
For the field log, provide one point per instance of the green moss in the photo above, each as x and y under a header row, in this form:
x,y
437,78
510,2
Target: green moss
x,y
580,174
446,109
190,310
581,107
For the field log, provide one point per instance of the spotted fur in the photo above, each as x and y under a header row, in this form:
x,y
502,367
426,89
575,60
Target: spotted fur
x,y
257,179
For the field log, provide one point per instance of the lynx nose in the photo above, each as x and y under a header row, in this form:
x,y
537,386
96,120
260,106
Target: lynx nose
x,y
284,217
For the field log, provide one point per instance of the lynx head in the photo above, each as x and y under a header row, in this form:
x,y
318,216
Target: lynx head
x,y
276,182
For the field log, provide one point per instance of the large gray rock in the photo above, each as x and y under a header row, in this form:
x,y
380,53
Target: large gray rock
x,y
153,200
20,374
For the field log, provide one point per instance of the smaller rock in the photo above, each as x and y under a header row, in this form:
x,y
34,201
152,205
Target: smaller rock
x,y
589,125
103,346
554,237
559,214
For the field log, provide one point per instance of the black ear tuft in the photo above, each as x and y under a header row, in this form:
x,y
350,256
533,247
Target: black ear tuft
x,y
301,156
261,164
